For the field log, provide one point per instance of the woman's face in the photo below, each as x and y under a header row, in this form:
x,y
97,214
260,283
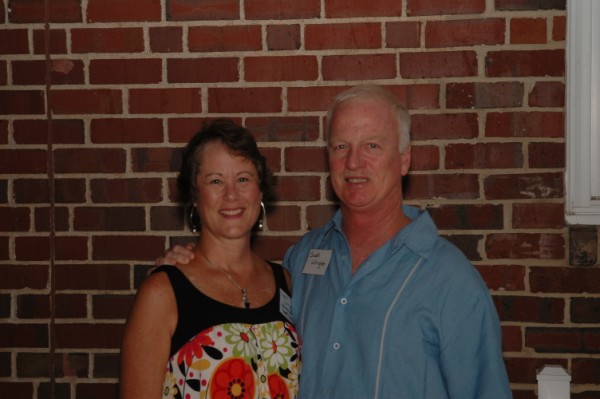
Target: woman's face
x,y
228,194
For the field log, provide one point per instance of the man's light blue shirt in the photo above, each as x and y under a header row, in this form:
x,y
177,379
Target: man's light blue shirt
x,y
415,320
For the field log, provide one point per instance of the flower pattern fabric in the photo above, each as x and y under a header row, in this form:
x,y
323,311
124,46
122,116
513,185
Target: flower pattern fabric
x,y
236,361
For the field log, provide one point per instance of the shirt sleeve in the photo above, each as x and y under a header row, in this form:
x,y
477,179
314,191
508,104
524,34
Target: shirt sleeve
x,y
471,355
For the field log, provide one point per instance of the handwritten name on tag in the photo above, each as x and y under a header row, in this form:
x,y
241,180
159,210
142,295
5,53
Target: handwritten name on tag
x,y
317,261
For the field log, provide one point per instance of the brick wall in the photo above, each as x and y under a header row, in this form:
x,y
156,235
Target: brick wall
x,y
98,96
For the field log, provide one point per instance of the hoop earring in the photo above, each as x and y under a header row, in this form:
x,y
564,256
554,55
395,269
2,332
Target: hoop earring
x,y
261,218
195,223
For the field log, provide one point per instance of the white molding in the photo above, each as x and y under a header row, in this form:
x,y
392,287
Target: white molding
x,y
583,114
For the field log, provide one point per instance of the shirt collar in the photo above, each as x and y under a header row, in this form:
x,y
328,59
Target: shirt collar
x,y
419,235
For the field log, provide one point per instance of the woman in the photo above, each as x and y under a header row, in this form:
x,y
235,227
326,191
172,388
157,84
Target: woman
x,y
216,327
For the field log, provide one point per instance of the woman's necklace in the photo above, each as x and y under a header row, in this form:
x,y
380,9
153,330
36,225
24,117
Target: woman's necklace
x,y
245,302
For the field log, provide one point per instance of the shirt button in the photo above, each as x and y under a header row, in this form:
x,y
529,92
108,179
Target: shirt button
x,y
336,346
343,301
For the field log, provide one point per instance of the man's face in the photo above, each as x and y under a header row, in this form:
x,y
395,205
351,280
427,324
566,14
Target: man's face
x,y
364,158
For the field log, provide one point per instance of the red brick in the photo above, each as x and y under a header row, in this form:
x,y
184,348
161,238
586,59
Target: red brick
x,y
17,389
60,216
63,72
286,128
88,160
123,10
484,95
466,32
524,369
202,70
424,157
14,219
70,306
24,277
11,161
280,69
4,248
181,130
444,126
125,71
585,310
193,10
359,67
98,390
111,306
225,38
467,217
554,340
524,186
318,215
33,306
3,73
272,247
22,102
435,7
144,190
484,156
284,218
273,156
57,41
547,155
438,64
114,218
107,40
306,159
88,336
512,339
362,9
559,28
161,101
525,246
468,244
37,191
251,99
312,98
342,36
534,5
14,41
77,102
282,9
403,34
525,63
525,124
530,309
23,335
35,131
117,247
166,39
298,188
547,94
528,31
585,370
34,11
38,248
88,277
538,216
167,218
133,130
564,280
155,159
449,186
283,37
503,277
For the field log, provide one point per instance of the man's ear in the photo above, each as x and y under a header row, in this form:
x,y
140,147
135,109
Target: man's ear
x,y
405,157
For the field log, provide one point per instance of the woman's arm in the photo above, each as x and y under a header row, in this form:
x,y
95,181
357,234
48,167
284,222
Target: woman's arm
x,y
147,339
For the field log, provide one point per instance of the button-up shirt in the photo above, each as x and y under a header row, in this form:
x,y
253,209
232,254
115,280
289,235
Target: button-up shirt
x,y
414,321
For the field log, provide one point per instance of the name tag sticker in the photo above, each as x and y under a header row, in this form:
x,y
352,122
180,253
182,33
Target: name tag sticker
x,y
285,305
317,262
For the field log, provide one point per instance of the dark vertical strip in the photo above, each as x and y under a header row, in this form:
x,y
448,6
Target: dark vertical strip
x,y
52,223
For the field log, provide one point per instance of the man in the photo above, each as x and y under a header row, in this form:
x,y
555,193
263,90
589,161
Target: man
x,y
385,307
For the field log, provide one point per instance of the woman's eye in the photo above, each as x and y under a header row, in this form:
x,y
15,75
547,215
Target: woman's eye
x,y
215,181
244,179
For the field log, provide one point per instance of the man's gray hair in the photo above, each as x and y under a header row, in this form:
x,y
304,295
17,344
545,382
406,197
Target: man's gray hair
x,y
369,92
